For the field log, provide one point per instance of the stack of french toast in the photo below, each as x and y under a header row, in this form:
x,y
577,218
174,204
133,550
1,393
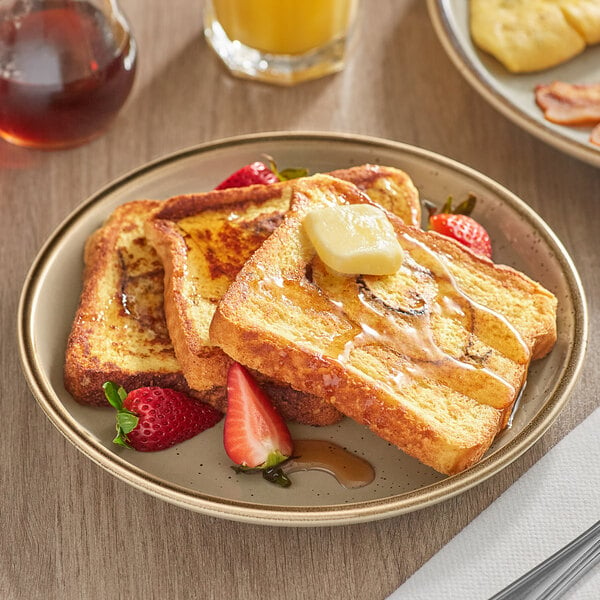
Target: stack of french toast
x,y
431,357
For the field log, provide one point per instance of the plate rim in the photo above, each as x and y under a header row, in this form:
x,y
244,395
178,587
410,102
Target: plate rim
x,y
355,512
438,13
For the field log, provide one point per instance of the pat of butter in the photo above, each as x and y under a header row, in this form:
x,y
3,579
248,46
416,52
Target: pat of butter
x,y
354,239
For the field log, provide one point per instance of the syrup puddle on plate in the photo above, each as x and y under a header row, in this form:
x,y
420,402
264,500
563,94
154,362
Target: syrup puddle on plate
x,y
350,470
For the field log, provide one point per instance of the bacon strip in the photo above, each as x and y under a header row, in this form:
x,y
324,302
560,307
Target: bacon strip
x,y
569,103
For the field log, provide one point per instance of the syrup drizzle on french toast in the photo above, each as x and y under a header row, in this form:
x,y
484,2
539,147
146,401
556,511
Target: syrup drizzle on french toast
x,y
140,289
393,315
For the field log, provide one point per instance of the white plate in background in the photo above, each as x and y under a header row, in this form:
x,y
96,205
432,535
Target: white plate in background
x,y
513,94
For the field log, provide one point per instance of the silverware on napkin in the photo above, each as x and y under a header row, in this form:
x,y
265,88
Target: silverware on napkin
x,y
558,572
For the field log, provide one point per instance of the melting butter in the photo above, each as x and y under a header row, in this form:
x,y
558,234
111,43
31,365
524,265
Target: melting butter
x,y
354,239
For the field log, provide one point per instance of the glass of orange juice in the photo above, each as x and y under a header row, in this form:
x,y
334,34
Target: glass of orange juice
x,y
280,41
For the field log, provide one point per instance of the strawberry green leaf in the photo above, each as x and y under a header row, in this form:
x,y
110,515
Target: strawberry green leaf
x,y
466,206
285,174
272,474
121,440
274,458
113,395
246,470
447,208
272,470
126,420
292,173
277,476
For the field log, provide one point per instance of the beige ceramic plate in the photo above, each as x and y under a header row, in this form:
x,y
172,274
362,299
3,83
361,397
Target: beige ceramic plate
x,y
513,94
197,474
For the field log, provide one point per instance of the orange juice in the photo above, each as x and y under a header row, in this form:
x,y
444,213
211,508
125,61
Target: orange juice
x,y
289,27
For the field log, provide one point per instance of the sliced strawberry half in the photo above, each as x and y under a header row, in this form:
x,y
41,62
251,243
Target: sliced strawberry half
x,y
254,435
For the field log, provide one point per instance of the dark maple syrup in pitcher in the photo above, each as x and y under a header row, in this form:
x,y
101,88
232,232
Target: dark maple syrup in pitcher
x,y
66,68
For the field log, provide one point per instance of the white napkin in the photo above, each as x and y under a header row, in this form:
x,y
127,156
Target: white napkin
x,y
552,503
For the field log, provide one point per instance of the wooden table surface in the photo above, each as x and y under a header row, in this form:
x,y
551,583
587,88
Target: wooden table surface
x,y
69,529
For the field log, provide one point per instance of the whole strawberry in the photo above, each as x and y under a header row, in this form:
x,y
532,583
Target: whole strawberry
x,y
258,173
154,418
252,174
458,225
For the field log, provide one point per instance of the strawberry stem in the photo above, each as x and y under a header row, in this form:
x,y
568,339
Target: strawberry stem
x,y
126,420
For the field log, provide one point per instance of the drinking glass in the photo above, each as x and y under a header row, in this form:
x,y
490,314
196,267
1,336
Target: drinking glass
x,y
280,41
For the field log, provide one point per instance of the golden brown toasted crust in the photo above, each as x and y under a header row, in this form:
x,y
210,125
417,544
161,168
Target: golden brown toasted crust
x,y
431,358
389,187
119,332
203,241
192,294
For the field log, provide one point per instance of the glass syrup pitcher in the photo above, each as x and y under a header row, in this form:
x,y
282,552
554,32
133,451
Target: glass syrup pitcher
x,y
66,68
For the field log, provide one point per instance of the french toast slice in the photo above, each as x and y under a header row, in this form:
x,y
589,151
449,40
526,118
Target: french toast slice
x,y
431,358
203,241
119,332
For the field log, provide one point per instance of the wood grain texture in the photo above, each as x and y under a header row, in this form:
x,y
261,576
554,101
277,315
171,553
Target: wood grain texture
x,y
72,531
